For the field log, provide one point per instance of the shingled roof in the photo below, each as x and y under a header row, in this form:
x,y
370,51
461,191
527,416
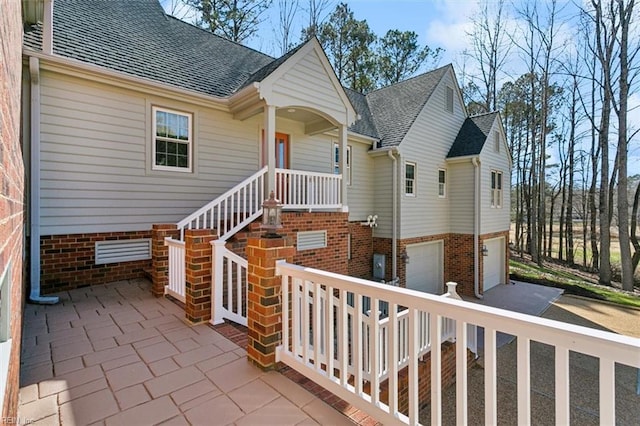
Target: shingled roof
x,y
395,108
472,135
139,39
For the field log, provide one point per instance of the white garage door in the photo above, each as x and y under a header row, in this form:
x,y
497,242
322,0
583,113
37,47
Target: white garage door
x,y
493,267
425,267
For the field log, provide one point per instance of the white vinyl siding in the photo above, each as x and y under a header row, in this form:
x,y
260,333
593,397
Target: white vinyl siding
x,y
495,219
361,192
307,84
383,199
461,197
96,165
427,143
496,141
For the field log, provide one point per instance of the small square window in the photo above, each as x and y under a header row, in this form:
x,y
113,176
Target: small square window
x,y
172,140
410,179
442,181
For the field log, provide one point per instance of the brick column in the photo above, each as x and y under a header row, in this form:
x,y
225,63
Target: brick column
x,y
197,245
160,256
263,301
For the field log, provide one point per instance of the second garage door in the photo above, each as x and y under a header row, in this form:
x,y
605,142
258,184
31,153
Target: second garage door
x,y
425,268
493,268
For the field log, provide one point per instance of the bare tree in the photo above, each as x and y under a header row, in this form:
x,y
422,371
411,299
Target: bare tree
x,y
287,13
490,48
236,20
317,12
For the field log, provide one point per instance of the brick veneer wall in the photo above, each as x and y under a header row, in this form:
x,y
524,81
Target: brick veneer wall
x,y
361,262
459,266
68,261
12,175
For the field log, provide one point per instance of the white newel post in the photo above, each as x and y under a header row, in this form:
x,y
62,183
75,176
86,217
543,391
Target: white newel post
x,y
217,251
270,137
451,290
342,129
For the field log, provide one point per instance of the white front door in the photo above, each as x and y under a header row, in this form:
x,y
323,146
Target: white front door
x,y
425,271
493,267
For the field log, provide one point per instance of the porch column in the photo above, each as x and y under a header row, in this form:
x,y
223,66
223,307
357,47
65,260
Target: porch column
x,y
197,244
270,138
342,130
264,306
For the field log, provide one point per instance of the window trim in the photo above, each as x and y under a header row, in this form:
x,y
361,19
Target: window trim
x,y
189,142
442,186
496,189
449,95
336,164
413,180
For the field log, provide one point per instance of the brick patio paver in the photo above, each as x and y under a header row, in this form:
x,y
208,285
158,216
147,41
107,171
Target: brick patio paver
x,y
115,355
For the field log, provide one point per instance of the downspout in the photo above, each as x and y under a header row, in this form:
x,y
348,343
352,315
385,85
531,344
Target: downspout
x,y
476,228
394,214
34,71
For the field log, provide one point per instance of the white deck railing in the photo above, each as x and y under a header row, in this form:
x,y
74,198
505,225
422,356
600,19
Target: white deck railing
x,y
229,283
308,190
231,211
300,349
176,275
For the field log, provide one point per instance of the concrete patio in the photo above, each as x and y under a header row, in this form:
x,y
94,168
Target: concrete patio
x,y
114,355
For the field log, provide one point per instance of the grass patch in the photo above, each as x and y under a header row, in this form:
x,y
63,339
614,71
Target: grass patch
x,y
570,283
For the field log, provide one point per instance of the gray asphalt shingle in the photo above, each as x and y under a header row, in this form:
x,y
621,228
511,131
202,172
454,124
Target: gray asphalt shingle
x,y
472,135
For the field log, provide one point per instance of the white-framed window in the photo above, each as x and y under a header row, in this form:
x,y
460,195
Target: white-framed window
x,y
410,179
5,326
496,142
336,162
172,140
496,189
448,98
442,183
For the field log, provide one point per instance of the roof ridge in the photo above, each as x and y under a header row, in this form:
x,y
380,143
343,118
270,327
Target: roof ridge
x,y
410,79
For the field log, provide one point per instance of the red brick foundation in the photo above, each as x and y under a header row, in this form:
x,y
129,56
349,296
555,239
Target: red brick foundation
x,y
68,261
360,264
12,201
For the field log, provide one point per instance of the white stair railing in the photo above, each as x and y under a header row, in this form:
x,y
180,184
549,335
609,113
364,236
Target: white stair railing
x,y
176,276
231,211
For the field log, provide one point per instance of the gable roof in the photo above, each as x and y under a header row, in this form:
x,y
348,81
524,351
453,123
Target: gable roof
x,y
472,135
139,39
365,125
395,108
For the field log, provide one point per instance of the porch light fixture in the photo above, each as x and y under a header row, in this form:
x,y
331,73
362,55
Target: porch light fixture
x,y
404,256
271,210
485,251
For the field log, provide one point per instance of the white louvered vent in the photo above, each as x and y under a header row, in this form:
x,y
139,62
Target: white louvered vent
x,y
122,251
312,240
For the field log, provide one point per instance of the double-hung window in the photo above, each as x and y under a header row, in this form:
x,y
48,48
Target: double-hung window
x,y
442,183
410,179
336,162
172,140
496,189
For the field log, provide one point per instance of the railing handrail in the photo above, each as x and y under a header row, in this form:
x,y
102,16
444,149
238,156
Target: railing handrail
x,y
308,173
193,216
234,257
170,242
589,341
